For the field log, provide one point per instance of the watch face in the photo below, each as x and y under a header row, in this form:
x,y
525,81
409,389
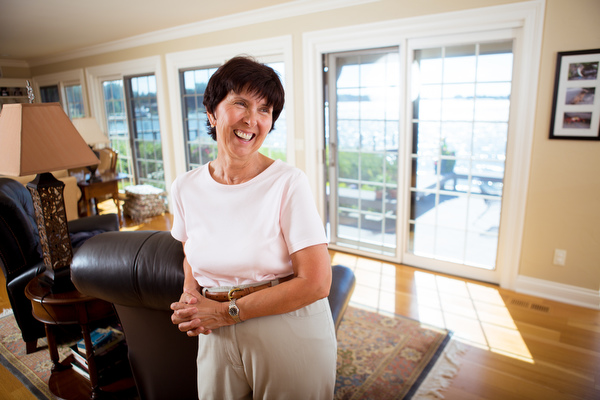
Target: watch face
x,y
233,310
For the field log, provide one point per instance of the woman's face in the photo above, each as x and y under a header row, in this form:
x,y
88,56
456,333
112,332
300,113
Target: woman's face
x,y
243,121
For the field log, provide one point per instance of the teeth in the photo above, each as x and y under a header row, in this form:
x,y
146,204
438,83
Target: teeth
x,y
245,136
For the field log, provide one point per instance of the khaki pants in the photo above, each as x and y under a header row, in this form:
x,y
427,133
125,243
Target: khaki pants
x,y
288,356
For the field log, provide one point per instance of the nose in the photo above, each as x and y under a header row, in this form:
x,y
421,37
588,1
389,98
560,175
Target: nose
x,y
251,117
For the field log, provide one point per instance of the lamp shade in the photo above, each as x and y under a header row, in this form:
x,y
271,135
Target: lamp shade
x,y
90,131
37,138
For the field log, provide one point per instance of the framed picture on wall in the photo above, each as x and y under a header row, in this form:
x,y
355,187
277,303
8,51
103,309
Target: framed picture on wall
x,y
576,108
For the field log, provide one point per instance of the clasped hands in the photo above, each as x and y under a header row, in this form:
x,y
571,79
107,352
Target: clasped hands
x,y
196,315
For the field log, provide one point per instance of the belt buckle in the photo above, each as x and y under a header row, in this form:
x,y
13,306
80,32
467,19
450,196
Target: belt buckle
x,y
232,291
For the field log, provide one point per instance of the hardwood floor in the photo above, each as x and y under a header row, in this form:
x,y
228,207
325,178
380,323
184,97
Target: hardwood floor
x,y
517,346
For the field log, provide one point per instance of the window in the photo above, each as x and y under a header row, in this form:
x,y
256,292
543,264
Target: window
x,y
460,131
74,99
275,145
131,111
362,135
50,94
116,122
145,135
423,159
200,147
65,88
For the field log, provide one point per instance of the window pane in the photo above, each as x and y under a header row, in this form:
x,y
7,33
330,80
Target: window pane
x,y
74,101
367,112
194,115
118,131
275,145
50,94
146,131
461,111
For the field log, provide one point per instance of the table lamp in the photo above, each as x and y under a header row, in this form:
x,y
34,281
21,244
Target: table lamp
x,y
90,131
37,139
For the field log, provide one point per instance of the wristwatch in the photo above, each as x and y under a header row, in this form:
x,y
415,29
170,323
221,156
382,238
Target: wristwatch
x,y
234,311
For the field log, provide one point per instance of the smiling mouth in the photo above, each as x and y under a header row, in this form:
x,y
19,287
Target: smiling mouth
x,y
243,135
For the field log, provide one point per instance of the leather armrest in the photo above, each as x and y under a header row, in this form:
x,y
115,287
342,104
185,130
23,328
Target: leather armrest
x,y
343,283
131,268
17,285
105,222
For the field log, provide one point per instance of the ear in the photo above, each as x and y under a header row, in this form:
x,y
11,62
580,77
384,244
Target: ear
x,y
211,119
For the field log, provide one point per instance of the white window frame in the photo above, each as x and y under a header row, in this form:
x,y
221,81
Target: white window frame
x,y
267,50
525,18
62,80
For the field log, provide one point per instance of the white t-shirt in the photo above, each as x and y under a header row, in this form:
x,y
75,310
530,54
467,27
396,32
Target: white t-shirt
x,y
242,234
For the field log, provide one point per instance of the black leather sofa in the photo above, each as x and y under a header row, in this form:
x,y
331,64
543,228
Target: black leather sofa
x,y
20,251
141,274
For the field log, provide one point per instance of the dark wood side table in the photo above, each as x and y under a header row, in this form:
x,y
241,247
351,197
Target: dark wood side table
x,y
64,309
106,184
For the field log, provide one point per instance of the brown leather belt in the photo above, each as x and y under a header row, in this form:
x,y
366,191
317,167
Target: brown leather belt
x,y
236,293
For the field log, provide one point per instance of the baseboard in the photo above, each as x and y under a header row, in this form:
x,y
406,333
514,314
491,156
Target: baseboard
x,y
558,292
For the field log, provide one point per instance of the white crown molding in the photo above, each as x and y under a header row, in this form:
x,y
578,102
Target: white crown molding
x,y
291,9
6,62
574,295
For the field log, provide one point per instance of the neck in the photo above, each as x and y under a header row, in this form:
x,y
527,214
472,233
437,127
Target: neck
x,y
233,172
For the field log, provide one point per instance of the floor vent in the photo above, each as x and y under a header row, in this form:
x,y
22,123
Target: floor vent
x,y
539,307
532,306
520,303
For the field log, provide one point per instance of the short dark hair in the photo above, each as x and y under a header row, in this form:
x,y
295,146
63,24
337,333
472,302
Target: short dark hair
x,y
244,73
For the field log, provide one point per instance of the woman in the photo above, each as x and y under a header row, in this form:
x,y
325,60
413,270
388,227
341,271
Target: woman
x,y
257,269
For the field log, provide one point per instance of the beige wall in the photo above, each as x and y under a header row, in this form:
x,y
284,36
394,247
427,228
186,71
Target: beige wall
x,y
563,206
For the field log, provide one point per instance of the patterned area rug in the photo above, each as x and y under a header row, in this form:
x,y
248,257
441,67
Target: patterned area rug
x,y
33,370
382,357
379,357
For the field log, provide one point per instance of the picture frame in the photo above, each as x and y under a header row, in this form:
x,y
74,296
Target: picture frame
x,y
575,107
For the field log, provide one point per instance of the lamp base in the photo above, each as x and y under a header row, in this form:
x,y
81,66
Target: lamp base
x,y
51,217
59,281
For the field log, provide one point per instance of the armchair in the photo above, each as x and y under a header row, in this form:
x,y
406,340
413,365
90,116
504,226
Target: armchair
x,y
20,252
141,273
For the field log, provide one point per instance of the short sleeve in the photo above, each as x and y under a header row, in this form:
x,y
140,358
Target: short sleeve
x,y
301,224
178,230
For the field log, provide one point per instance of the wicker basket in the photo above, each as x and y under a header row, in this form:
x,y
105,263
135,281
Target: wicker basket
x,y
144,202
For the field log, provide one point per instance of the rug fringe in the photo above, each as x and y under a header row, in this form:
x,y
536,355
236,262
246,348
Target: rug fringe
x,y
442,373
6,311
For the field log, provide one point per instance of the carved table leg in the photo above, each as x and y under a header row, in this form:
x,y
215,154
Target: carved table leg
x,y
53,350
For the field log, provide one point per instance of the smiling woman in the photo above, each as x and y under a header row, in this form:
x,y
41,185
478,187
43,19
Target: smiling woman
x,y
275,276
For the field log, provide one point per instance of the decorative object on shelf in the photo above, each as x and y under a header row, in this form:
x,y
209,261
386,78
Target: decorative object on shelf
x,y
37,139
30,94
90,131
12,90
575,112
143,202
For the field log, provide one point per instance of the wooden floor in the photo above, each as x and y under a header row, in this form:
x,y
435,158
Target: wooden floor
x,y
517,346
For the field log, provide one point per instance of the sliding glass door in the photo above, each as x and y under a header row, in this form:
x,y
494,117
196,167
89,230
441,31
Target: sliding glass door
x,y
362,110
427,191
459,135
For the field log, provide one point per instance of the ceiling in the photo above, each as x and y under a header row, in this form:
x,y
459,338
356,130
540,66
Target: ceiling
x,y
32,29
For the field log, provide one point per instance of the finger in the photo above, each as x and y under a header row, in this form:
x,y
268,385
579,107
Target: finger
x,y
199,331
189,325
194,294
